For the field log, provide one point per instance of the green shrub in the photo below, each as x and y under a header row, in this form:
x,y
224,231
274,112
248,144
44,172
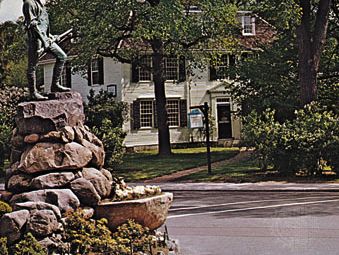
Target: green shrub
x,y
4,208
105,117
112,139
9,99
29,246
92,236
87,235
301,144
3,246
133,235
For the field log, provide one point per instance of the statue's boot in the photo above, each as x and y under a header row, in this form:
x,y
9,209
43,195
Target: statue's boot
x,y
33,91
57,70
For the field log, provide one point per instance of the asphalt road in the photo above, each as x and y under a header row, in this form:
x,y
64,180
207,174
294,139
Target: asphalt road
x,y
263,223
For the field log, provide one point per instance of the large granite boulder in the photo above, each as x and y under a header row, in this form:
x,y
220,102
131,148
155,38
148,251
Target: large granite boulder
x,y
40,117
52,180
54,156
42,223
102,185
85,191
19,183
12,223
64,199
33,206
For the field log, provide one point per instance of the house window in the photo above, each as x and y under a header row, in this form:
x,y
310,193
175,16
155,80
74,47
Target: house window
x,y
96,72
173,113
220,70
171,65
174,69
248,25
145,73
146,113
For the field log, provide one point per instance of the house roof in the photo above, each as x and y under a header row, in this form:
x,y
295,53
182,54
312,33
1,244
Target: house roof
x,y
264,34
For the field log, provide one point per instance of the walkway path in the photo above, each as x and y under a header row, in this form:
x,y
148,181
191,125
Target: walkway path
x,y
242,155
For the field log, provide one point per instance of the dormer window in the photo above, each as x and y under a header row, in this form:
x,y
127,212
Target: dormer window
x,y
248,25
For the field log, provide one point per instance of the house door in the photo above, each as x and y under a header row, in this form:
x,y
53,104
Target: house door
x,y
224,121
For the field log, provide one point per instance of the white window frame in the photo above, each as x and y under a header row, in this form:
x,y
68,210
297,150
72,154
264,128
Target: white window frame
x,y
224,65
151,113
252,24
177,114
95,63
144,69
166,67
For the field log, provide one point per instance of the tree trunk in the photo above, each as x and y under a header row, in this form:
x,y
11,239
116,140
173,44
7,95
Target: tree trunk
x,y
160,97
310,45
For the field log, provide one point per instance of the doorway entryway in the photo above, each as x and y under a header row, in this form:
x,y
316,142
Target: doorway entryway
x,y
224,118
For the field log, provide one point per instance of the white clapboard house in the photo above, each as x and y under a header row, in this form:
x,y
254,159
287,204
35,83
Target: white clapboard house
x,y
134,86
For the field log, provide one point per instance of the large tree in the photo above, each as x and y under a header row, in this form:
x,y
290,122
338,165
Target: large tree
x,y
128,29
311,36
13,57
280,76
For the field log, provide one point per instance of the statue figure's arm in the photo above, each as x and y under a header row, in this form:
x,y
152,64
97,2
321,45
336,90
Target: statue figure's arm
x,y
32,23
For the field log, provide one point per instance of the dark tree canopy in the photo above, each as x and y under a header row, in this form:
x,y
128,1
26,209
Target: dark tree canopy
x,y
125,30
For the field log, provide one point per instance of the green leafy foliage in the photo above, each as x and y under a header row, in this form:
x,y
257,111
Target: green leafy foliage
x,y
4,208
29,246
3,246
306,143
91,236
105,116
9,99
13,56
87,235
133,235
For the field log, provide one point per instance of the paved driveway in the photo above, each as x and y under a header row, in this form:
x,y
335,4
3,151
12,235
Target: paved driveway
x,y
264,223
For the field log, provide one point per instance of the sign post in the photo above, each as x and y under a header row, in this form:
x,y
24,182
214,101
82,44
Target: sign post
x,y
205,109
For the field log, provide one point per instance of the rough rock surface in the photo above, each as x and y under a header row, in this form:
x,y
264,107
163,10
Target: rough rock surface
x,y
150,212
31,206
64,199
12,223
52,180
36,117
54,156
32,138
99,181
19,183
42,223
85,191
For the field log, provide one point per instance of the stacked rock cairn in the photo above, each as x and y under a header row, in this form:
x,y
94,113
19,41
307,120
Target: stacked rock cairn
x,y
56,166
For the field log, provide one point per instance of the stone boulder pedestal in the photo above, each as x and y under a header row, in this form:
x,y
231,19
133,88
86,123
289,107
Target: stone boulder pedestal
x,y
41,117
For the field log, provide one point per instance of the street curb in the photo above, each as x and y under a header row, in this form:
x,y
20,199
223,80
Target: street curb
x,y
240,187
246,187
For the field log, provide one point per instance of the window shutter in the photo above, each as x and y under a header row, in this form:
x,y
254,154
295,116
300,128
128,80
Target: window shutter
x,y
183,113
182,69
155,114
136,114
213,73
232,64
135,71
101,70
89,73
68,74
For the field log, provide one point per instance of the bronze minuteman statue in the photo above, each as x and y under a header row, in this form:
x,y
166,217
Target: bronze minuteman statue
x,y
39,41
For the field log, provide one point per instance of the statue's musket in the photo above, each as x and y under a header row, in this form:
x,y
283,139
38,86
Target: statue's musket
x,y
58,39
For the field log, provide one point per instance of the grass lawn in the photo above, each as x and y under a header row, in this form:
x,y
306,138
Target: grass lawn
x,y
248,171
147,165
